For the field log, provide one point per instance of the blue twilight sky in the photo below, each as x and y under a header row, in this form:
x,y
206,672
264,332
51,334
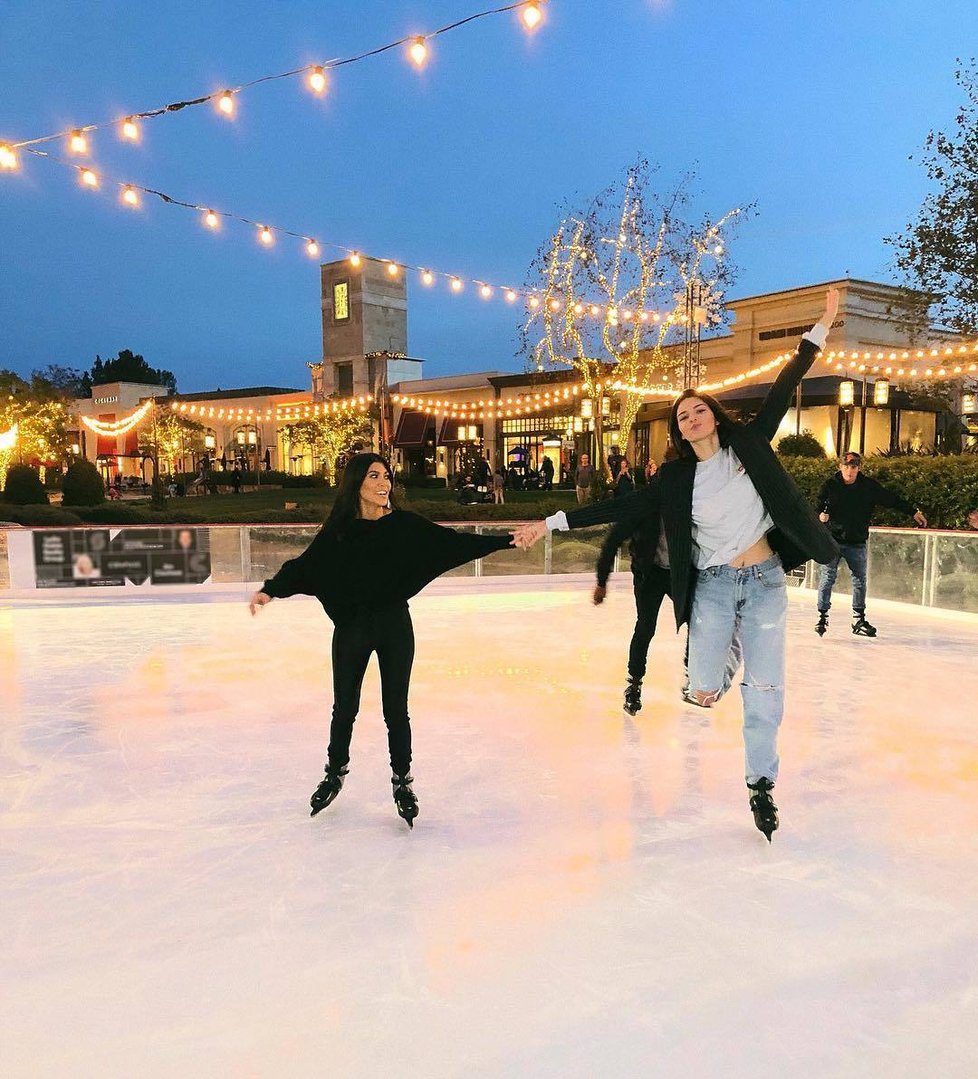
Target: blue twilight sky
x,y
809,109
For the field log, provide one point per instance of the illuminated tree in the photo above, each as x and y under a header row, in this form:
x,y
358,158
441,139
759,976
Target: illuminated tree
x,y
40,412
611,289
329,435
170,436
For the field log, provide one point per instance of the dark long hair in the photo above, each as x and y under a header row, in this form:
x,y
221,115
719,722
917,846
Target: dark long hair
x,y
725,422
346,508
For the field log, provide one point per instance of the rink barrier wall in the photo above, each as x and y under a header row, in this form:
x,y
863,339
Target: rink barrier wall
x,y
925,567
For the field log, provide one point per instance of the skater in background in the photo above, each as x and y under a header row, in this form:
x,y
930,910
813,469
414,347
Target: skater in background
x,y
364,564
624,484
846,503
499,486
650,585
583,478
734,522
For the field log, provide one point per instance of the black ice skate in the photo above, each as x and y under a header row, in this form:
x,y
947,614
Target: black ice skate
x,y
860,626
633,696
763,807
328,789
405,798
823,623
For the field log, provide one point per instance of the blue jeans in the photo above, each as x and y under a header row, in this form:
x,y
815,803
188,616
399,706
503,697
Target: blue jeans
x,y
750,603
855,556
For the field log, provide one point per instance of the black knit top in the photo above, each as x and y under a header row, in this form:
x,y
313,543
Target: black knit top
x,y
377,564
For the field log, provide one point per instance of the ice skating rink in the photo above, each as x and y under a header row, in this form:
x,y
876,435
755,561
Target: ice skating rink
x,y
584,894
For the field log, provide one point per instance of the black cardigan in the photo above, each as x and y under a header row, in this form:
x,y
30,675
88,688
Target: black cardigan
x,y
797,534
377,564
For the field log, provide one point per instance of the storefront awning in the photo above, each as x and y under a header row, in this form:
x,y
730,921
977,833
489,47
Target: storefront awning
x,y
411,428
448,435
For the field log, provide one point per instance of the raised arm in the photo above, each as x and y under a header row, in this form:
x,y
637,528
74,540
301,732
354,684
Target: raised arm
x,y
778,400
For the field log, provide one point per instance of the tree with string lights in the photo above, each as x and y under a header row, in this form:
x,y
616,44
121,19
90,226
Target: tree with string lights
x,y
329,435
612,289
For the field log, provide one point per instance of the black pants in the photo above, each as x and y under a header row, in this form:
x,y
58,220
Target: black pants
x,y
650,587
389,633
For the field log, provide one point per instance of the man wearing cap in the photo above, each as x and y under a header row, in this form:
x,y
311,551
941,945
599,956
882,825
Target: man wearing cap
x,y
846,503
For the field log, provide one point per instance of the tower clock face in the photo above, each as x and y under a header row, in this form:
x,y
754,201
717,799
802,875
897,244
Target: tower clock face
x,y
341,300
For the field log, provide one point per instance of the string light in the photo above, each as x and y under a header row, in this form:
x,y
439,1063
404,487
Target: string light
x,y
427,277
130,196
510,296
114,428
211,220
532,15
130,129
456,284
78,144
354,259
317,76
89,178
312,249
392,269
265,235
317,80
418,52
485,292
8,157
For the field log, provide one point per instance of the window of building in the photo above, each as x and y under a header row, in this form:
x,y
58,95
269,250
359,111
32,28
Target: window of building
x,y
341,301
344,378
790,331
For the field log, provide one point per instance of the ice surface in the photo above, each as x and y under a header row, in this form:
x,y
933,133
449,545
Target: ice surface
x,y
584,894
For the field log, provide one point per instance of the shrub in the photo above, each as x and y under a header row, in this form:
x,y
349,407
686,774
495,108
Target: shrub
x,y
82,485
24,487
803,445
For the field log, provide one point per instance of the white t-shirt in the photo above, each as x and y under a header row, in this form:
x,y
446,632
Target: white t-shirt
x,y
728,514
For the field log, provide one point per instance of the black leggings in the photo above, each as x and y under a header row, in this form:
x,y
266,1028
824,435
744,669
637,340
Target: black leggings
x,y
650,588
389,633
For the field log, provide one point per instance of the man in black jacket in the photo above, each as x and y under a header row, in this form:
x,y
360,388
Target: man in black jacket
x,y
846,503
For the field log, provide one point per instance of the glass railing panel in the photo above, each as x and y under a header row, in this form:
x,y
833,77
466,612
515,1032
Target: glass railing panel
x,y
896,565
955,568
577,551
269,546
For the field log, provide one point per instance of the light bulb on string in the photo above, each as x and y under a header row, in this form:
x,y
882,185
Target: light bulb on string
x,y
130,196
225,103
532,15
89,178
312,249
456,285
78,144
418,52
534,302
485,292
392,269
510,296
211,220
130,129
265,235
354,259
317,80
8,157
427,277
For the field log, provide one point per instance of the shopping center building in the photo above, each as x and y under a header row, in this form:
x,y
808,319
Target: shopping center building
x,y
430,425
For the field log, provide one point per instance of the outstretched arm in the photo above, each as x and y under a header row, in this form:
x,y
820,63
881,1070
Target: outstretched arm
x,y
778,400
631,508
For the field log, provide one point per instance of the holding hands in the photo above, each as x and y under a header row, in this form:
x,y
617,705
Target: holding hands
x,y
528,534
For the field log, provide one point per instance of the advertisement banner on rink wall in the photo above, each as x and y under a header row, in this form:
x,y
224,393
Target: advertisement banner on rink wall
x,y
96,558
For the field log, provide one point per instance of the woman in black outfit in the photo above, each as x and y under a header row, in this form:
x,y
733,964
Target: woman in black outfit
x,y
366,562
